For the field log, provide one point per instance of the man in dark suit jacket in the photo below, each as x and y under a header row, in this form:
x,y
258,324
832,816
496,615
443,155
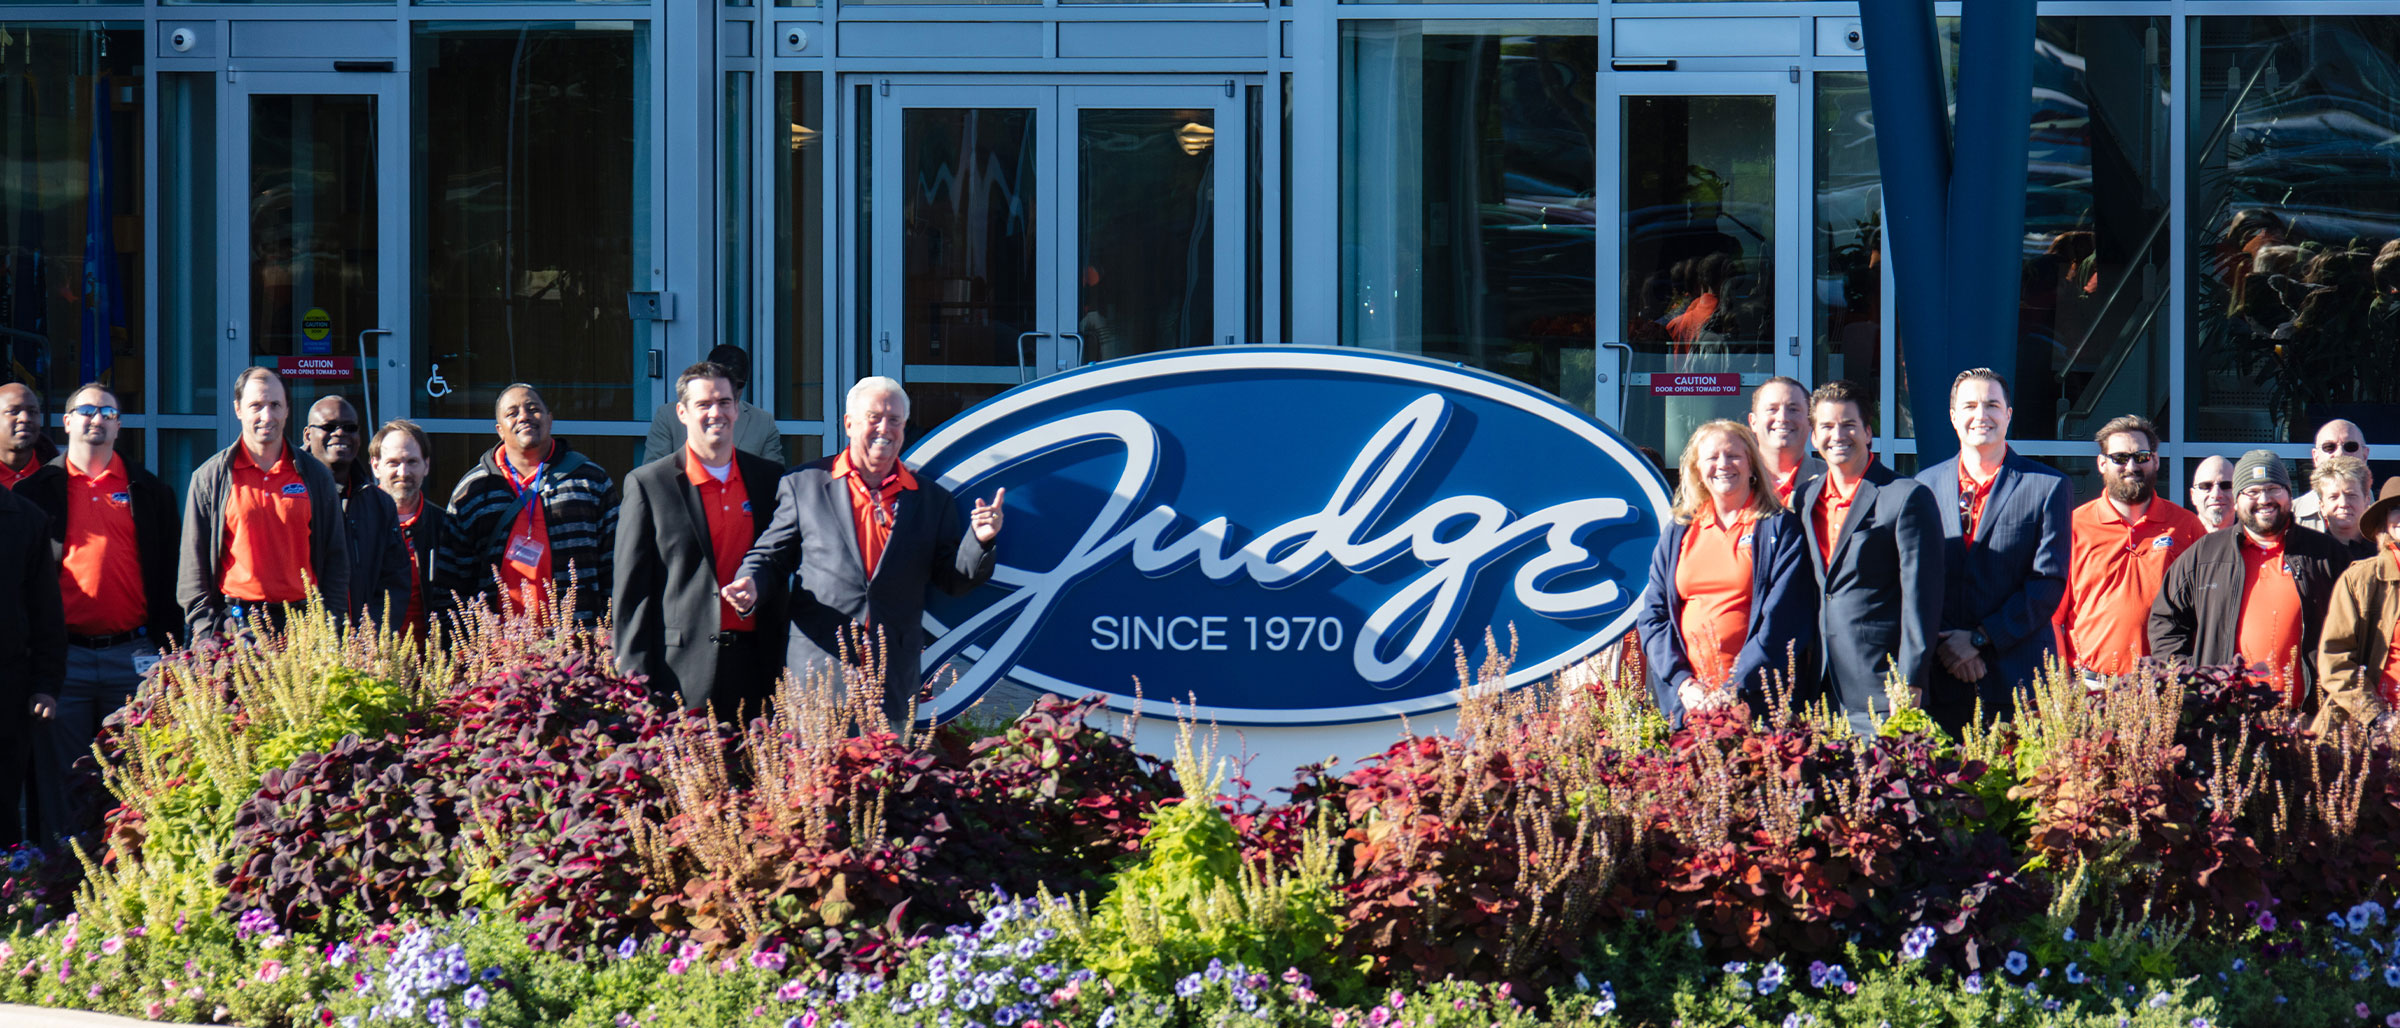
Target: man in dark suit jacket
x,y
862,538
1871,536
33,642
686,522
2007,524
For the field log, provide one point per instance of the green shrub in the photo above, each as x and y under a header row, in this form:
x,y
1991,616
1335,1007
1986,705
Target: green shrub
x,y
1189,898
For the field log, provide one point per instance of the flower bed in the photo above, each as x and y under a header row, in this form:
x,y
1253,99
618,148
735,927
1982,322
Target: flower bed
x,y
321,829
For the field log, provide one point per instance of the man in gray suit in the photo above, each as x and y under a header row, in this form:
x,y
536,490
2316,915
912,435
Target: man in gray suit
x,y
863,538
1873,538
686,522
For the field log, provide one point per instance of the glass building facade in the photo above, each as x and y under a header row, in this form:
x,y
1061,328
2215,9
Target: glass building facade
x,y
1641,207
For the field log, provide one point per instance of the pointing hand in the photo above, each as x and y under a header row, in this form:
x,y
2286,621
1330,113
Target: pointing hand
x,y
986,519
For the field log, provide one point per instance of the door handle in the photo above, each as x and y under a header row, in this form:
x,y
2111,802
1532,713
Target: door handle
x,y
1024,359
366,380
1062,357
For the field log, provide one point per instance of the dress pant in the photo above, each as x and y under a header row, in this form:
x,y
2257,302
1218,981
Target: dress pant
x,y
744,686
100,679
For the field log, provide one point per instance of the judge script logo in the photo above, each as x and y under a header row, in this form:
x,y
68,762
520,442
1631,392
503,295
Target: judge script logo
x,y
1286,535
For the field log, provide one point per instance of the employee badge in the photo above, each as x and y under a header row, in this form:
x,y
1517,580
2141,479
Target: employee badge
x,y
525,552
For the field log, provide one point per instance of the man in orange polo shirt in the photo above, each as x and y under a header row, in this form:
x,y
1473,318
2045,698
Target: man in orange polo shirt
x,y
685,524
2255,596
262,523
862,538
2123,544
23,447
113,532
1779,418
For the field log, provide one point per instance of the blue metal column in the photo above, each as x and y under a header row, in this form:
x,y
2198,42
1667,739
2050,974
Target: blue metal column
x,y
1987,210
1955,227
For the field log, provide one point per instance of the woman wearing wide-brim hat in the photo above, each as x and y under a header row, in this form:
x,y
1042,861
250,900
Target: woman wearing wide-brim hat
x,y
2358,667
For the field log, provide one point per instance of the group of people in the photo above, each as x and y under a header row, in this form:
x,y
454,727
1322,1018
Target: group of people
x,y
723,567
1832,577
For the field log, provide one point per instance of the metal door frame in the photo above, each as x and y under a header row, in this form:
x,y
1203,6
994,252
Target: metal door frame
x,y
1056,101
387,372
1793,207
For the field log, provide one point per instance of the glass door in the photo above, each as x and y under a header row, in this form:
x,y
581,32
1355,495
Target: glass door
x,y
1020,230
312,229
1700,295
1155,263
963,242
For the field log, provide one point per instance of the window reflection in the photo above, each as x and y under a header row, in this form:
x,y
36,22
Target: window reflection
x,y
2296,227
1848,241
2092,337
1467,195
531,214
72,294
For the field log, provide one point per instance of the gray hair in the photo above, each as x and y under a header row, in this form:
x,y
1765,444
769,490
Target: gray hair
x,y
871,385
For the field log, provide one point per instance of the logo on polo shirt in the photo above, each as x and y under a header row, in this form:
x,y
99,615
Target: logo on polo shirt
x,y
745,506
2162,542
294,489
120,498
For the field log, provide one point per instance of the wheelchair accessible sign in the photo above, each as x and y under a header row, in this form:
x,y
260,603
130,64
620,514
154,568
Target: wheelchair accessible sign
x,y
1287,536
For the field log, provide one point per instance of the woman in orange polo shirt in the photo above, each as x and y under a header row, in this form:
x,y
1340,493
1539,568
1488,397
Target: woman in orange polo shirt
x,y
1731,598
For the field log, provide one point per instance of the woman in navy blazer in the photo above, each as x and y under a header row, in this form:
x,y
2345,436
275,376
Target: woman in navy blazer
x,y
1725,492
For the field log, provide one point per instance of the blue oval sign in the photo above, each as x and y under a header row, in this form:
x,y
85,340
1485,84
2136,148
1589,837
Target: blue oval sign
x,y
1287,535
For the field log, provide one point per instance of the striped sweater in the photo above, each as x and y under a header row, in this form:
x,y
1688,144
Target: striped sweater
x,y
579,507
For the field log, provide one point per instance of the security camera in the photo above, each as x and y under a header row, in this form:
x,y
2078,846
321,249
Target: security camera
x,y
1857,40
182,39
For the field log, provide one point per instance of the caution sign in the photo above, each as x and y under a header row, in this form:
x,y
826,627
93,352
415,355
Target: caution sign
x,y
316,331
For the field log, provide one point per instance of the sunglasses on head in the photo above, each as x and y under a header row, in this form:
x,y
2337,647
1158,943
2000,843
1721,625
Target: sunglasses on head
x,y
2129,457
2346,446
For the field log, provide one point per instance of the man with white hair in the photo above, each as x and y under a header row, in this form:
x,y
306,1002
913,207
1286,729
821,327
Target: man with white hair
x,y
861,538
2336,438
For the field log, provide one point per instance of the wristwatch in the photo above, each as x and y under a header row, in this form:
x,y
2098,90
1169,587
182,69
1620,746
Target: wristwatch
x,y
1981,641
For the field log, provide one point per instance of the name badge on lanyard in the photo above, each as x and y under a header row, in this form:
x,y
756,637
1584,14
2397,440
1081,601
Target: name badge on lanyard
x,y
525,549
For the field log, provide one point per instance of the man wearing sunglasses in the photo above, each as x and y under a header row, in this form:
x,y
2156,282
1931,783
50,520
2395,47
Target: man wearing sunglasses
x,y
2212,493
379,568
2336,438
2124,543
2007,520
112,533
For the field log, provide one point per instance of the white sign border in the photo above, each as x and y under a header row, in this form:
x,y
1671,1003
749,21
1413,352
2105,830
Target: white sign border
x,y
1366,363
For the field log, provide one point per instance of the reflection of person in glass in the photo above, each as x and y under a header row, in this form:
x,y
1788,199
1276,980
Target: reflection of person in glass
x,y
1730,600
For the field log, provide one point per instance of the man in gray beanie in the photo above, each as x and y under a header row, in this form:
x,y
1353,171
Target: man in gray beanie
x,y
2255,595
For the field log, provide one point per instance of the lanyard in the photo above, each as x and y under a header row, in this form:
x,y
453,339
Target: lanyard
x,y
510,471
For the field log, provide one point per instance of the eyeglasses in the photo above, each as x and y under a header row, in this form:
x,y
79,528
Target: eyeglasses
x,y
2346,446
2134,457
91,411
331,427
